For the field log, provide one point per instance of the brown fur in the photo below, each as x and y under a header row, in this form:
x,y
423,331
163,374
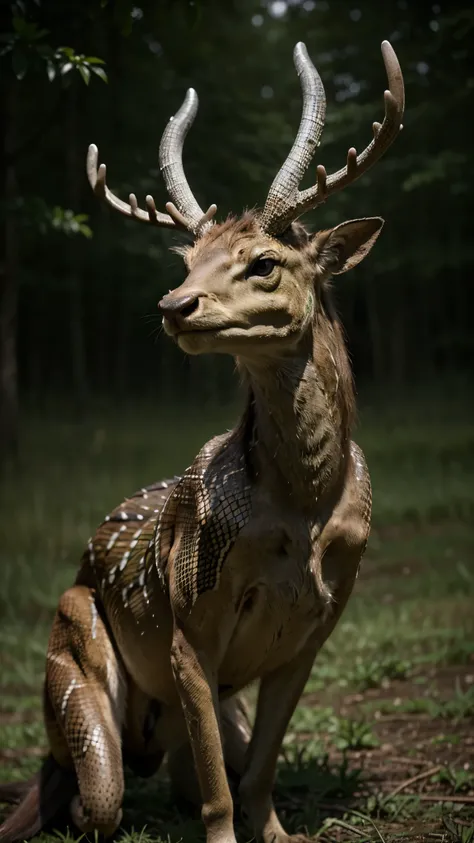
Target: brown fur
x,y
156,639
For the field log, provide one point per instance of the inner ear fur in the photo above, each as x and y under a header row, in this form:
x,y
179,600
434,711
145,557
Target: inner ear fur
x,y
339,249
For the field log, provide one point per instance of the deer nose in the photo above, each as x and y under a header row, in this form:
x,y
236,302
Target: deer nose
x,y
182,305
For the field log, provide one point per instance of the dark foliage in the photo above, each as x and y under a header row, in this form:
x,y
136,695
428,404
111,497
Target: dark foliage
x,y
84,282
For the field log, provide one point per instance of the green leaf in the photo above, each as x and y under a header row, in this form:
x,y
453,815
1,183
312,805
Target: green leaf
x,y
85,72
65,68
19,24
67,51
7,49
100,73
94,60
19,63
86,231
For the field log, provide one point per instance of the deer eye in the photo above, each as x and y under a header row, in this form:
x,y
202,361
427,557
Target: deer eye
x,y
262,267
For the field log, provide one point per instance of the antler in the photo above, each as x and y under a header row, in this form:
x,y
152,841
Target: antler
x,y
183,212
285,202
171,165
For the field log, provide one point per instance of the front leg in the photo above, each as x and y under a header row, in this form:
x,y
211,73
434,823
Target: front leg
x,y
278,696
196,681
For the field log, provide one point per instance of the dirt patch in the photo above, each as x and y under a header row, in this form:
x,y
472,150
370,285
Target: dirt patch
x,y
418,776
420,773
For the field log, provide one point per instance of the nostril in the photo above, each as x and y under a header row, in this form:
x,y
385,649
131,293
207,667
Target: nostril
x,y
188,309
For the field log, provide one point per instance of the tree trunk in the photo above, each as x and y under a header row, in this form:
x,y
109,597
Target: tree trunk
x,y
375,322
8,279
78,344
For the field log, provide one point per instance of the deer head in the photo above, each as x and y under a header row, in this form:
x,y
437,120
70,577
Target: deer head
x,y
255,283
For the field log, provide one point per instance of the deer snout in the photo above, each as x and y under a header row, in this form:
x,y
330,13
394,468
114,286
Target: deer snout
x,y
172,306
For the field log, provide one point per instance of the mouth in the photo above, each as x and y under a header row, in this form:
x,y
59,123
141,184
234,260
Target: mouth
x,y
196,339
206,334
191,331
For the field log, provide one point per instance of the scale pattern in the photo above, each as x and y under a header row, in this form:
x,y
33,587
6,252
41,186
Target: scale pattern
x,y
206,511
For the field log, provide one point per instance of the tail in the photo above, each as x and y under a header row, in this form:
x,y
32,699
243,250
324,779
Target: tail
x,y
40,798
14,792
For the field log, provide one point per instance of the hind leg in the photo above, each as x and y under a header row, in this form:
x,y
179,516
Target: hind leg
x,y
141,745
236,734
84,709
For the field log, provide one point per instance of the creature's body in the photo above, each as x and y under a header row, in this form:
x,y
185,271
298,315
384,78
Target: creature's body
x,y
109,677
236,571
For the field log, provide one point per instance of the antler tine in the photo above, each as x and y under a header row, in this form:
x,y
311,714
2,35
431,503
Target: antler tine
x,y
97,180
184,206
384,135
283,194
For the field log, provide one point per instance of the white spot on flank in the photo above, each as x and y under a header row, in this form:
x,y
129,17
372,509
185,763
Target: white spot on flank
x,y
123,516
94,615
107,518
164,485
112,540
124,596
139,516
113,681
124,560
91,553
146,508
58,659
73,684
141,579
94,740
141,562
138,533
133,544
112,574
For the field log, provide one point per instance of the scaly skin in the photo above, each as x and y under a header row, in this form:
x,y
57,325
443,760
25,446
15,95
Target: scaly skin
x,y
248,561
237,571
109,676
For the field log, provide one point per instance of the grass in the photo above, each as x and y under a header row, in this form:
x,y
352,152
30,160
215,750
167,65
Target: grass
x,y
392,693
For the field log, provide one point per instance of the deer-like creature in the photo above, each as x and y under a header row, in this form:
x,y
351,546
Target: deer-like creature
x,y
239,569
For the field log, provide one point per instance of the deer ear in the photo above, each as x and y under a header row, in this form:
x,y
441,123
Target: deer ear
x,y
344,246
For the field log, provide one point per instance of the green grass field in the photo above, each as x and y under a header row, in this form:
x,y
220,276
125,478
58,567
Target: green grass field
x,y
382,744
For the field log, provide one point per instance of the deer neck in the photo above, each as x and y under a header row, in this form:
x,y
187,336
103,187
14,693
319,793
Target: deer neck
x,y
300,417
